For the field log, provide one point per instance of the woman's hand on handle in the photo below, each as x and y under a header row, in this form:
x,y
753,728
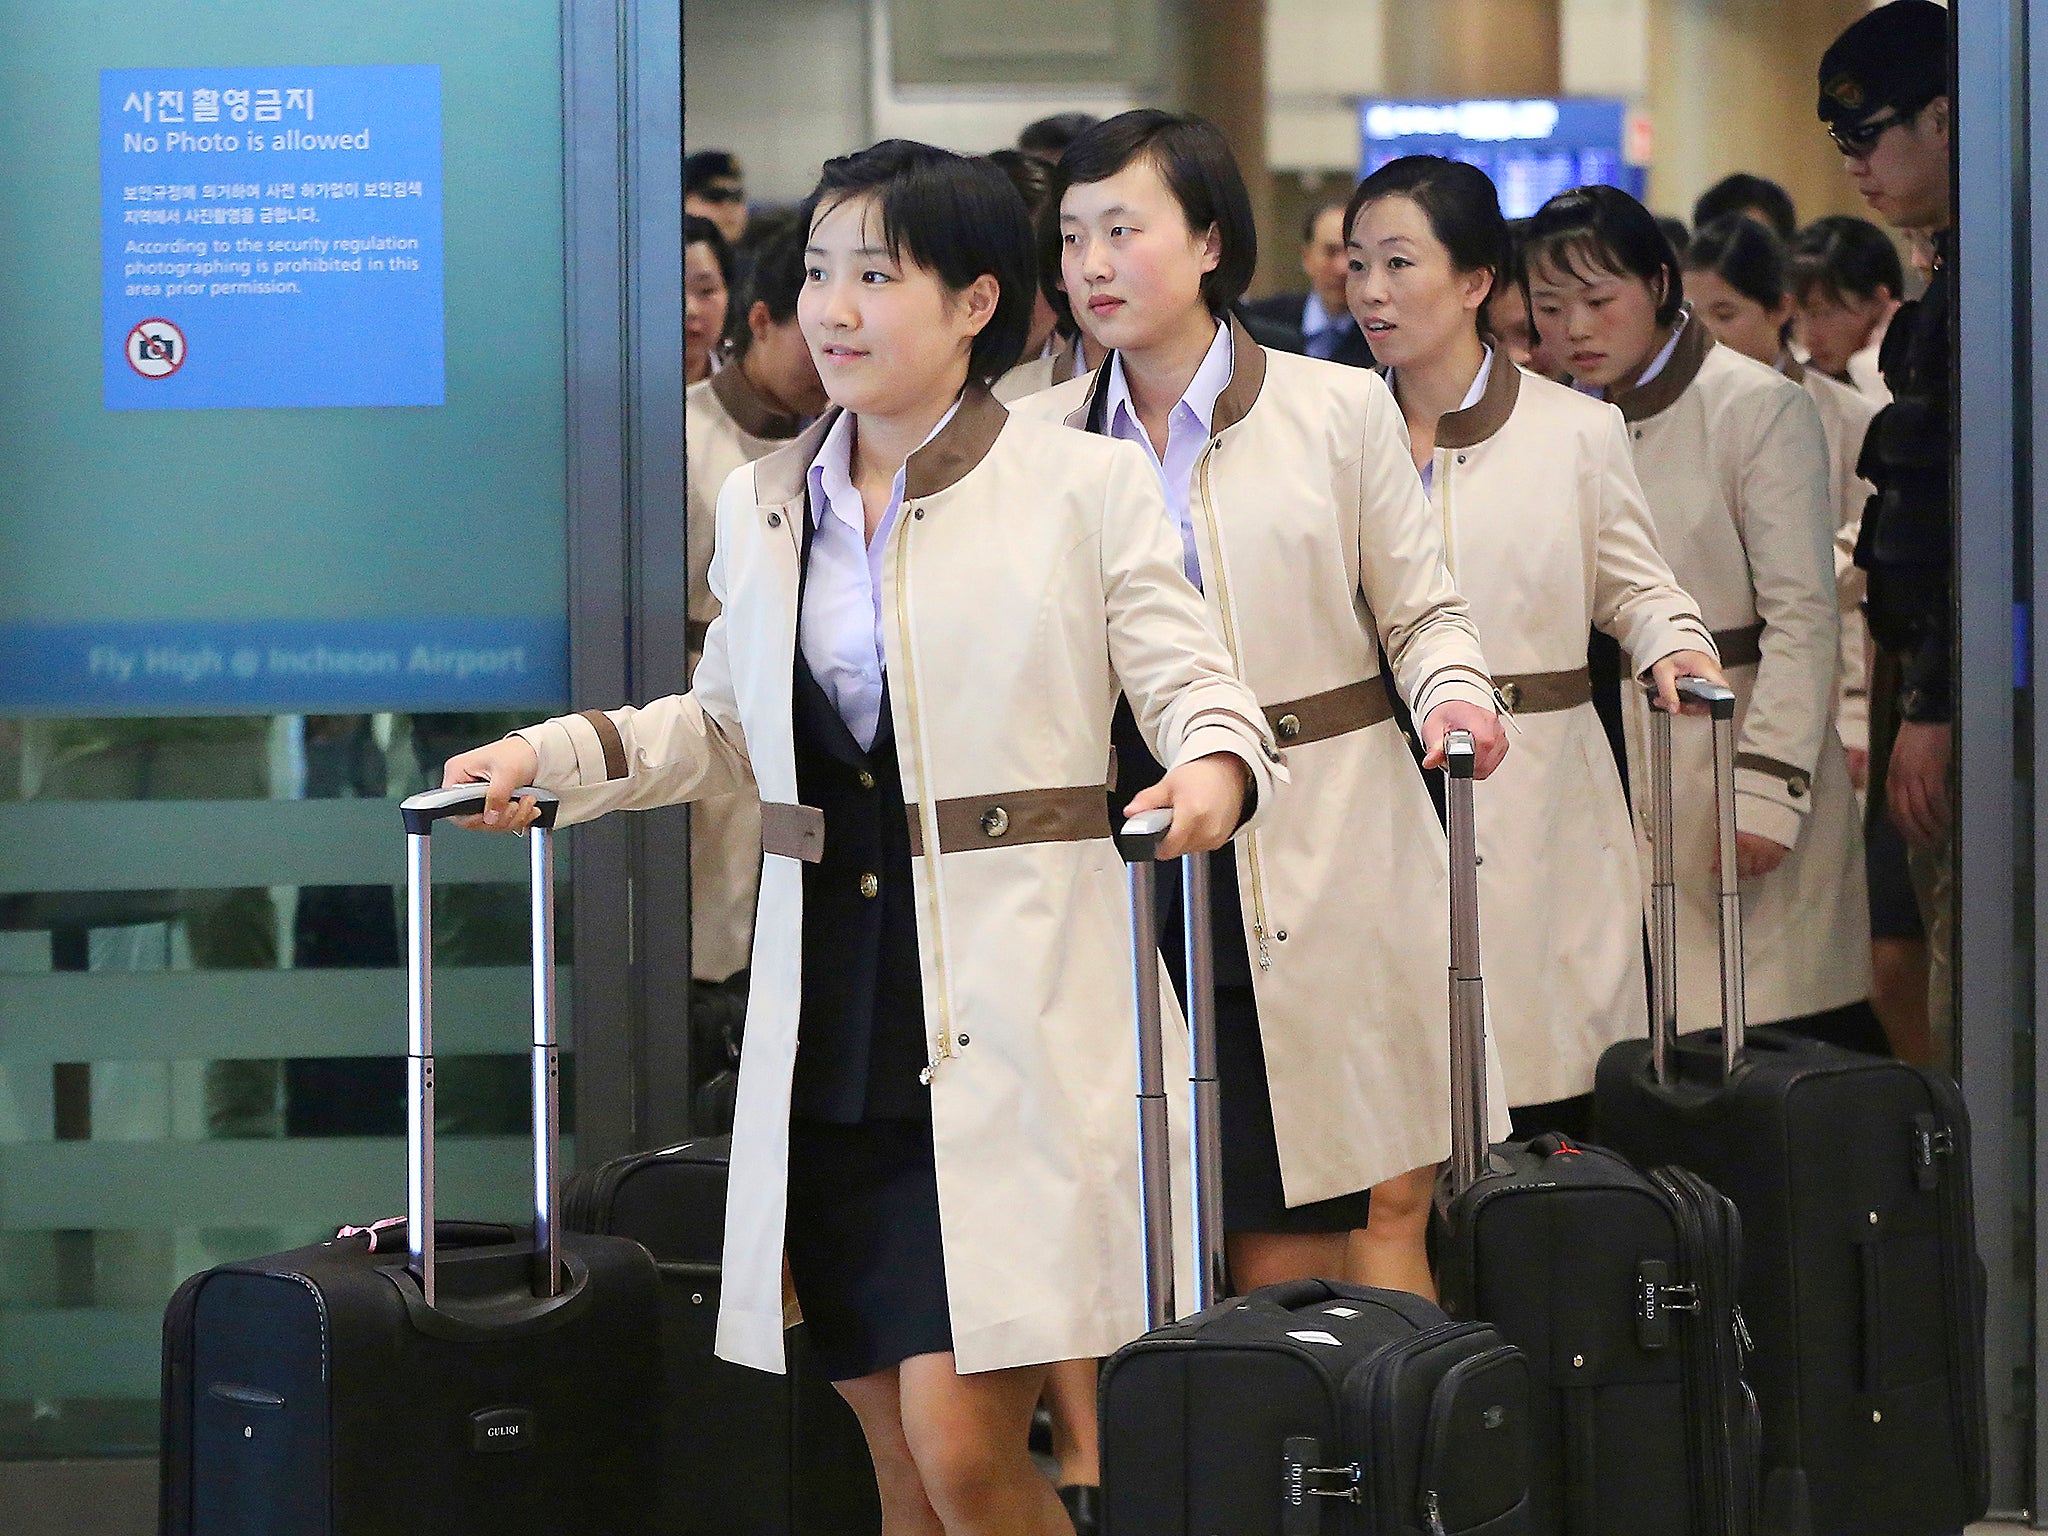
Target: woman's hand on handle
x,y
1489,738
1207,800
1665,673
503,766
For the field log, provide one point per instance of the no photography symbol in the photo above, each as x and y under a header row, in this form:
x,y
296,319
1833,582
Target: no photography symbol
x,y
156,349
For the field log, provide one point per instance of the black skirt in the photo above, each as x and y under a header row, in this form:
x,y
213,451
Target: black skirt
x,y
1253,1197
863,1242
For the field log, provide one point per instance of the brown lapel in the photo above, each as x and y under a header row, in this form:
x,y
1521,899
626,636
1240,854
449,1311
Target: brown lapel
x,y
1247,378
1489,413
1791,367
779,476
749,412
965,441
1662,392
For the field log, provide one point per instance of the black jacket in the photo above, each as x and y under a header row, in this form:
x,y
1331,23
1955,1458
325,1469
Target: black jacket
x,y
1282,314
1908,525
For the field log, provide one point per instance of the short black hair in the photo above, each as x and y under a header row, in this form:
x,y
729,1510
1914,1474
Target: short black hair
x,y
1049,137
1461,204
1742,192
1841,256
698,230
1591,231
1316,211
1028,174
958,218
1743,254
1194,160
707,166
776,280
1676,232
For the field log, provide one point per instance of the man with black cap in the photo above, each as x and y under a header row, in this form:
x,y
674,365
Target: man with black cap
x,y
1884,96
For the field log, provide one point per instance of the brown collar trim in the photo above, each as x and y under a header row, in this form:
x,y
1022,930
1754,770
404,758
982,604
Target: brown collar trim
x,y
939,465
750,413
1662,392
1791,367
965,441
1067,363
779,476
1489,413
1247,378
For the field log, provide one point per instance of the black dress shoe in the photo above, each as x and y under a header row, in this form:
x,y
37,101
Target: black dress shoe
x,y
1084,1507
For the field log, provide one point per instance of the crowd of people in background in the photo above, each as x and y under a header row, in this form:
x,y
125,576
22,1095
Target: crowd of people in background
x,y
1514,479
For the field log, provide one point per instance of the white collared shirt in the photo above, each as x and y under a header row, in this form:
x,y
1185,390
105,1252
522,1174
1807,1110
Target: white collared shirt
x,y
1471,399
841,626
1187,434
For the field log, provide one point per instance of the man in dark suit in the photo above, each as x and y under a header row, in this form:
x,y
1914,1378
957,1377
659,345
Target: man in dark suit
x,y
1316,321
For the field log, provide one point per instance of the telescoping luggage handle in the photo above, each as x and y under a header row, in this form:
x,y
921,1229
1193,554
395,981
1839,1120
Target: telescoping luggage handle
x,y
1720,702
419,814
1139,844
1468,991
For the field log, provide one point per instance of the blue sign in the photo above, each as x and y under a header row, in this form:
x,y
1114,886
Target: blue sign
x,y
131,667
271,237
1533,150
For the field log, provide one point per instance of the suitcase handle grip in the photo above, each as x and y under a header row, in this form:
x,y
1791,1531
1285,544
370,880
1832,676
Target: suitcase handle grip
x,y
419,815
421,811
1720,702
1138,842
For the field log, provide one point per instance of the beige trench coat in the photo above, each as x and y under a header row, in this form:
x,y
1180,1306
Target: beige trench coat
x,y
1548,536
1316,543
1029,579
1039,373
725,424
1845,416
1734,460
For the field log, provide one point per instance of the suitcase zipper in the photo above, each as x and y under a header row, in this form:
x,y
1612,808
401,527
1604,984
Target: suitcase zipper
x,y
1222,580
1380,1409
1713,1290
1960,1287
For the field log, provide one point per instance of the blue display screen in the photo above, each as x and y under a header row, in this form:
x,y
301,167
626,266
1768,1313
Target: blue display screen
x,y
1532,149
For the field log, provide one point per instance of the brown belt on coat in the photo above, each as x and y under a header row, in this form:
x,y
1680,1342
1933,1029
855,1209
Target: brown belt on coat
x,y
1074,815
793,831
1337,712
1740,647
1543,693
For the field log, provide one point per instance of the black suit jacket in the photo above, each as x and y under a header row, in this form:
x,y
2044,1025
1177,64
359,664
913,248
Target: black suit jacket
x,y
1280,316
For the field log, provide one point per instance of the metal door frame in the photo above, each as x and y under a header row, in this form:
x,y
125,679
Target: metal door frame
x,y
622,206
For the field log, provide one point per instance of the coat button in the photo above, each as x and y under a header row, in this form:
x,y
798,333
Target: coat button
x,y
1461,458
995,821
865,779
1511,695
1796,786
1288,727
871,885
918,513
774,519
963,1042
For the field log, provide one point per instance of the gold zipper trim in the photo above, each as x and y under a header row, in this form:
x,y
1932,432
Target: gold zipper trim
x,y
1251,839
927,804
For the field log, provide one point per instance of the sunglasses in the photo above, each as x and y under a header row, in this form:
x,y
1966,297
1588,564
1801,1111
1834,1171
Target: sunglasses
x,y
719,194
1859,140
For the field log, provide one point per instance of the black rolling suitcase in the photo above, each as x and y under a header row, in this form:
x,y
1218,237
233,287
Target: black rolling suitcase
x,y
1861,1280
1619,1285
746,1453
1305,1408
481,1382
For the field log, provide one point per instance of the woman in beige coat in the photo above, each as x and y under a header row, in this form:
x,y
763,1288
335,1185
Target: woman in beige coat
x,y
745,411
1303,521
1548,538
930,610
1734,461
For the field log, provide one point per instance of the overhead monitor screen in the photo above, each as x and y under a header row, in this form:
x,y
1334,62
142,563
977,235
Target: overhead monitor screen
x,y
1532,149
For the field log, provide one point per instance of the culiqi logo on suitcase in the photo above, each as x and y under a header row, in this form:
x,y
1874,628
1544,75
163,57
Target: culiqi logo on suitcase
x,y
494,1431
